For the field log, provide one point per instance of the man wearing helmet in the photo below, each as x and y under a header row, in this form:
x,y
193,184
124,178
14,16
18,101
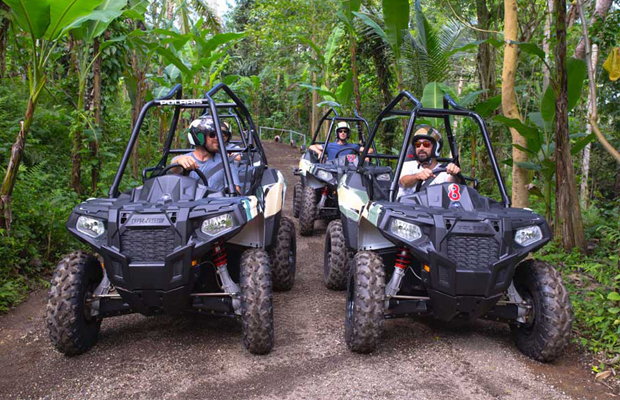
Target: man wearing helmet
x,y
206,155
427,144
343,131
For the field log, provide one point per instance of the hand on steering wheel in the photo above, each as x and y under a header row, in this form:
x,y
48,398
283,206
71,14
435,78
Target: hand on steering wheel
x,y
186,172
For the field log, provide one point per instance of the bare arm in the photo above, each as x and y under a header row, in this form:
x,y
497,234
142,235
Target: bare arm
x,y
410,180
317,148
185,161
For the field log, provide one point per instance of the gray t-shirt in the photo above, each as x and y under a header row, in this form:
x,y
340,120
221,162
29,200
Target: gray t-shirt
x,y
217,180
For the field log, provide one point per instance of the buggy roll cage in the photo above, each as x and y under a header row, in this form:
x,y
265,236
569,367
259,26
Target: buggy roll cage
x,y
337,117
174,98
443,113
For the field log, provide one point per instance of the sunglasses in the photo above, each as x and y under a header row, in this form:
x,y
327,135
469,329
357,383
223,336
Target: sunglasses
x,y
213,135
341,130
423,143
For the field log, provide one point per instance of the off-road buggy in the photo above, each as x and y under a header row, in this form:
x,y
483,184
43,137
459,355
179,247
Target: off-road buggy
x,y
174,244
444,251
315,195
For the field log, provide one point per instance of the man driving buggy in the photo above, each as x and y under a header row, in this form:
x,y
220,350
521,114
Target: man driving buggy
x,y
418,173
206,155
343,132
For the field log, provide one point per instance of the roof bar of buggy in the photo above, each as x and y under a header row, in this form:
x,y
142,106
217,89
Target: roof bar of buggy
x,y
180,103
449,102
445,114
337,117
318,126
176,90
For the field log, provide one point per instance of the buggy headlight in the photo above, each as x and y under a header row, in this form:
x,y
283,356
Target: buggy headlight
x,y
383,177
90,226
405,230
324,175
214,225
528,235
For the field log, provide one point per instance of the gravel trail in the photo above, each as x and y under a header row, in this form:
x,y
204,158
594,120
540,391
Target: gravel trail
x,y
197,357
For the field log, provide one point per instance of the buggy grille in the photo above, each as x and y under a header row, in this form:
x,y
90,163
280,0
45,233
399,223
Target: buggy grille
x,y
147,245
473,253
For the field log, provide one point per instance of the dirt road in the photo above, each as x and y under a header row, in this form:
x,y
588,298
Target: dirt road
x,y
197,357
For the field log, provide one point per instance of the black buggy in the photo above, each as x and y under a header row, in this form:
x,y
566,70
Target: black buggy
x,y
315,195
175,244
444,251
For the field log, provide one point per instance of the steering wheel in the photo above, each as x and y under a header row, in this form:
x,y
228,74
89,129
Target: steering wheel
x,y
440,169
347,149
186,172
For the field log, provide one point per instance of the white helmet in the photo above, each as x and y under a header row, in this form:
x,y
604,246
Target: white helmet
x,y
343,125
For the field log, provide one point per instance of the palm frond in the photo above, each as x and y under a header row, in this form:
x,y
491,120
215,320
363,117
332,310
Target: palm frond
x,y
209,15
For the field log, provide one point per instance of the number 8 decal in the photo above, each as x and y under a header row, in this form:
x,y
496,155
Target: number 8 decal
x,y
454,192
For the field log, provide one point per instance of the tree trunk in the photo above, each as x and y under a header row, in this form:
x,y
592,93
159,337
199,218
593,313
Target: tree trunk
x,y
356,83
485,60
135,111
568,223
314,117
485,65
547,44
600,13
17,151
383,79
520,177
4,30
76,157
585,170
96,106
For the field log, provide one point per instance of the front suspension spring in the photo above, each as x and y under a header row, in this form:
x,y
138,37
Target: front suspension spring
x,y
220,257
403,258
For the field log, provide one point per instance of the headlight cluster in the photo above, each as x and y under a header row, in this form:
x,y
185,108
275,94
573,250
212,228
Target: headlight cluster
x,y
215,225
528,235
405,230
90,226
324,175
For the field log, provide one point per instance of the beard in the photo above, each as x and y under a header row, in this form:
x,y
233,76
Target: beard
x,y
423,156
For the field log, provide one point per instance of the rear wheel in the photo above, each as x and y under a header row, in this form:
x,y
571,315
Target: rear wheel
x,y
256,301
297,194
307,213
72,328
547,330
283,256
365,302
337,259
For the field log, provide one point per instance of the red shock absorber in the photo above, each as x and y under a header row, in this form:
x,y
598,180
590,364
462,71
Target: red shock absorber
x,y
220,258
403,258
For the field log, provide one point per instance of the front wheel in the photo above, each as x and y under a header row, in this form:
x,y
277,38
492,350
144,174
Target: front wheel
x,y
337,259
365,302
307,214
72,328
548,326
256,301
283,256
